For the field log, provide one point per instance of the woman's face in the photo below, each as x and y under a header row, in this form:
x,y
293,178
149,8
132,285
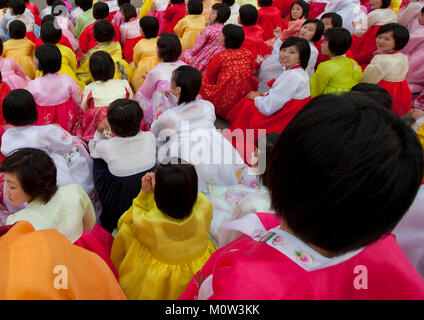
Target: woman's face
x,y
212,16
328,23
376,4
296,11
14,191
307,32
176,91
385,42
325,50
289,56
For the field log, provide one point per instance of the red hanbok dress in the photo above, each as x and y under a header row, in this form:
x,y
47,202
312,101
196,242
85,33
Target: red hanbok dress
x,y
172,15
284,6
87,41
254,41
228,78
270,18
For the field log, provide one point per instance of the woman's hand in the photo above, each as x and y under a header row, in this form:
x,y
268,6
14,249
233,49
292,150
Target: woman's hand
x,y
148,182
103,126
253,94
277,32
416,113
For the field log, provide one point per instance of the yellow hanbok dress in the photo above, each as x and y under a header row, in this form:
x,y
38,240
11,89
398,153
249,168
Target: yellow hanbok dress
x,y
156,255
145,8
69,65
123,70
335,76
396,5
22,50
145,59
189,28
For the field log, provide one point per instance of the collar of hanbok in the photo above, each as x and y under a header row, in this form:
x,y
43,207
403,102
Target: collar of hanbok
x,y
392,52
112,47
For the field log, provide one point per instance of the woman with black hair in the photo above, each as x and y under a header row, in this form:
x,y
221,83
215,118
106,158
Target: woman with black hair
x,y
287,96
229,74
269,18
192,25
173,13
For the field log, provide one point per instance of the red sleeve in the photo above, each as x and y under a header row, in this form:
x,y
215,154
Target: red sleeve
x,y
212,70
169,13
84,40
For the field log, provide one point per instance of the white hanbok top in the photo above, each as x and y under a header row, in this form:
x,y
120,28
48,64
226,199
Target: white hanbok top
x,y
73,163
291,84
350,11
104,93
125,156
69,211
389,67
195,140
233,19
378,17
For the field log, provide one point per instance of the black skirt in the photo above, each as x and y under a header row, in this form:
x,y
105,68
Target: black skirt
x,y
115,193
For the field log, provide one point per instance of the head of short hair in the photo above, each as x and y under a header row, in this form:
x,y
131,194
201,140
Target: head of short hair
x,y
169,47
19,108
122,2
17,6
49,58
35,171
228,2
103,31
4,4
319,28
100,10
17,29
150,26
102,66
385,4
344,172
128,12
48,18
336,19
189,79
305,8
177,1
223,12
195,6
49,34
270,140
302,46
400,34
248,15
339,40
265,3
84,4
50,2
176,188
124,117
375,92
233,36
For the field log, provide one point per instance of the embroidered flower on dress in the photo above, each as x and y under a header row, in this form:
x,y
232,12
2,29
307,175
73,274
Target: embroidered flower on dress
x,y
278,240
304,257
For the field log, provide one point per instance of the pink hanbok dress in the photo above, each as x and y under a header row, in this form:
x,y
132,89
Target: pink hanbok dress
x,y
13,74
57,97
206,45
289,269
130,35
150,95
97,97
414,50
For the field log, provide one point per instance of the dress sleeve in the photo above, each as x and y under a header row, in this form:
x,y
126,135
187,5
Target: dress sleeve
x,y
319,80
169,13
75,91
18,69
55,139
374,72
95,146
180,28
200,42
279,96
86,95
84,40
212,70
89,217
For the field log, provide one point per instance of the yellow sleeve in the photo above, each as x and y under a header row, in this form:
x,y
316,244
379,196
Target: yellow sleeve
x,y
147,4
319,80
180,28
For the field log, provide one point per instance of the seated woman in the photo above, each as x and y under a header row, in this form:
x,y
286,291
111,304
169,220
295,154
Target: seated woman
x,y
363,41
130,31
162,239
150,95
104,34
269,18
288,95
340,73
73,163
122,160
218,162
56,95
389,69
145,57
99,94
13,74
208,43
299,12
64,22
30,176
229,74
350,12
328,176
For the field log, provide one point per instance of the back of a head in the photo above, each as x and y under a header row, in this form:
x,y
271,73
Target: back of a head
x,y
375,92
17,29
336,19
124,117
228,2
344,172
103,31
233,36
339,40
223,11
19,108
48,18
195,6
84,4
102,66
49,58
248,15
17,6
100,10
176,188
3,4
150,26
128,12
49,34
169,47
189,79
265,3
